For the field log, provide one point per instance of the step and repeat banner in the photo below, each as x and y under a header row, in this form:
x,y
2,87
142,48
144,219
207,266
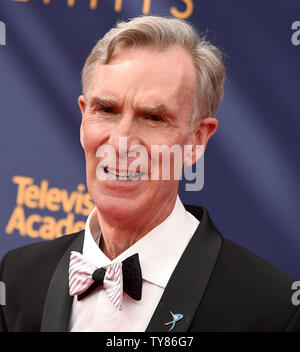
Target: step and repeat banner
x,y
251,170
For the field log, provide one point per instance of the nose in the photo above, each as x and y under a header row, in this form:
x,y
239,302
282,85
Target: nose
x,y
124,135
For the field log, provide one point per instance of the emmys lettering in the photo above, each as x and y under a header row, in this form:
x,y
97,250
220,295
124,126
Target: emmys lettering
x,y
296,35
185,11
2,33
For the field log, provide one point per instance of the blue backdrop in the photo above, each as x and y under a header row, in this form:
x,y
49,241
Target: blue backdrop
x,y
252,185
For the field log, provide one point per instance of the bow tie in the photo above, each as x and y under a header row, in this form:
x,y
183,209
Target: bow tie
x,y
84,278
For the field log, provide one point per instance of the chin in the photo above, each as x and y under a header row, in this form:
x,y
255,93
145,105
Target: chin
x,y
119,208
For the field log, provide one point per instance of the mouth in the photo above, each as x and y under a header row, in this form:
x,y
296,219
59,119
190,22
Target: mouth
x,y
122,175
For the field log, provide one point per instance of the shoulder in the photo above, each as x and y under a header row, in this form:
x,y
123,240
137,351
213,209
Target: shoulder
x,y
245,292
31,257
236,261
26,272
245,268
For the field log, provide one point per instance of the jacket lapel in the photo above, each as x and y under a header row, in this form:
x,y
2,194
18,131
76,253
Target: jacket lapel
x,y
58,302
190,278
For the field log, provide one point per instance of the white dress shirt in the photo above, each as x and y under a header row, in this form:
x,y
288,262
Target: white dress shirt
x,y
159,252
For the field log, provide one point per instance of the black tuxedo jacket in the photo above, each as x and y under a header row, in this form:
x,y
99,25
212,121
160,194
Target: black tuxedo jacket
x,y
217,286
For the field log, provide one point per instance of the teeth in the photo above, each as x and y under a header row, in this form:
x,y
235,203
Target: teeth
x,y
122,176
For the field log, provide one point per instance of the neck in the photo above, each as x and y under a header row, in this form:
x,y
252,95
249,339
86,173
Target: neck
x,y
118,235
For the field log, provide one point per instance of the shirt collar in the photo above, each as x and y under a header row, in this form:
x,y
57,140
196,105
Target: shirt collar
x,y
159,250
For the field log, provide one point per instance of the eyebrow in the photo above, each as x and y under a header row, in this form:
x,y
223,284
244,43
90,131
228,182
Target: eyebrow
x,y
154,110
149,110
107,102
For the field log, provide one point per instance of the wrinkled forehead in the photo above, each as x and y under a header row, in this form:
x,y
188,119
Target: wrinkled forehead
x,y
166,76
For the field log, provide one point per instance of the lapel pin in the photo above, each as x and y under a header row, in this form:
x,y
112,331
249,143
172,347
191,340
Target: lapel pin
x,y
176,318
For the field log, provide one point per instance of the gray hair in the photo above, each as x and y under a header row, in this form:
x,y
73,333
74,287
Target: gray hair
x,y
162,33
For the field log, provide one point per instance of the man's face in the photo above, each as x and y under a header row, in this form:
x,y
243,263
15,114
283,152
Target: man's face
x,y
146,96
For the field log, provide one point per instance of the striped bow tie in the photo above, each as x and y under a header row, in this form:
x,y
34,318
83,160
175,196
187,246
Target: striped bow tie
x,y
84,278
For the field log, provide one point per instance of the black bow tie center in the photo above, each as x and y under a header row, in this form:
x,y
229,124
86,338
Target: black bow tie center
x,y
132,278
98,275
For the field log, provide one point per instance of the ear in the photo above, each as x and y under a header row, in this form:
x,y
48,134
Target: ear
x,y
82,106
203,129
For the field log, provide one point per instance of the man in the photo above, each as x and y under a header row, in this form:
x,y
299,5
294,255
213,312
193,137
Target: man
x,y
145,262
